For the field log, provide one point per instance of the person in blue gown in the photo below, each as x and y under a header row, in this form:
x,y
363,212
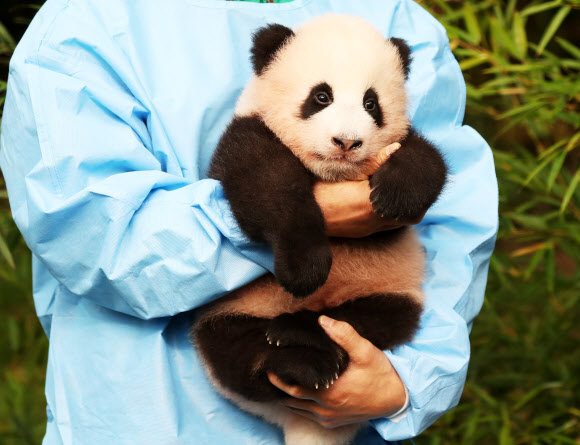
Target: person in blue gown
x,y
112,113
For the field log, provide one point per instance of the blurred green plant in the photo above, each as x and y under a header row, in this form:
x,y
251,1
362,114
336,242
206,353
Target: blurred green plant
x,y
23,351
521,62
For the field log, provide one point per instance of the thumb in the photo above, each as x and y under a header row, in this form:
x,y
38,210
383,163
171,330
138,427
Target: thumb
x,y
344,335
374,163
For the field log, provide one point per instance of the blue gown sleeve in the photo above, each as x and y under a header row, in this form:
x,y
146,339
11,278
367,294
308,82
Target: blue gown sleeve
x,y
109,212
458,232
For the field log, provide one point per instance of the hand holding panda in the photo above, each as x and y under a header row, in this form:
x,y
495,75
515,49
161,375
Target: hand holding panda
x,y
368,389
346,206
323,103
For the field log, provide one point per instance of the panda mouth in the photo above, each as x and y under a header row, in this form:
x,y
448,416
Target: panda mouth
x,y
342,158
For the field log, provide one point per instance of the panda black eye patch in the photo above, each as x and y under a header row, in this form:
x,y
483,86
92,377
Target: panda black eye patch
x,y
319,97
372,107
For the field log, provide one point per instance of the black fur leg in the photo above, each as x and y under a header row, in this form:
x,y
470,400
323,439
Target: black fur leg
x,y
241,349
235,348
298,329
303,354
411,180
301,266
307,367
277,205
385,320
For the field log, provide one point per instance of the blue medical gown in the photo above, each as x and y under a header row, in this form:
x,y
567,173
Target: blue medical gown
x,y
113,110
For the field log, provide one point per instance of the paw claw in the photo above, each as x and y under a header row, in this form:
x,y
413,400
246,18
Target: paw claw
x,y
316,386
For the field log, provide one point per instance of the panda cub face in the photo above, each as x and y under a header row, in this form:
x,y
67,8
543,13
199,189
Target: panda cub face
x,y
333,92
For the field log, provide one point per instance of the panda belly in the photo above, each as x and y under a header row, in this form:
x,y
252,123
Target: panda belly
x,y
381,264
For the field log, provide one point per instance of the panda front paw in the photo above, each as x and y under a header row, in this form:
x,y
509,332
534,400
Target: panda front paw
x,y
306,366
302,270
393,201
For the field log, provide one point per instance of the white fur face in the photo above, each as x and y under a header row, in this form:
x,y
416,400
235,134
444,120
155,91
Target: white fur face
x,y
348,55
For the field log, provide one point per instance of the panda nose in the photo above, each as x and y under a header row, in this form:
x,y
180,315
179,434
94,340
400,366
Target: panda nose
x,y
346,144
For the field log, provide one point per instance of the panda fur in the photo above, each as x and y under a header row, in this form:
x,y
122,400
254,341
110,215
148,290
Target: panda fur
x,y
322,102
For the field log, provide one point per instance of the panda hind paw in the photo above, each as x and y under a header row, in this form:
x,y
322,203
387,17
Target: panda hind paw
x,y
307,367
298,329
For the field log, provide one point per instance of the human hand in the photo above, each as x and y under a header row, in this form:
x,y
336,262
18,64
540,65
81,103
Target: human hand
x,y
373,164
369,388
346,206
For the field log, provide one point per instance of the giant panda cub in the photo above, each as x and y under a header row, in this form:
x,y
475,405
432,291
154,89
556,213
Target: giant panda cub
x,y
322,102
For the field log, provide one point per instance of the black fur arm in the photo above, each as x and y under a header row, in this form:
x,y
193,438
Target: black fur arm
x,y
405,186
270,193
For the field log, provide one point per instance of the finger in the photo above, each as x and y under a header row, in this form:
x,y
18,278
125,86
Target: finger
x,y
345,335
387,152
374,163
308,415
304,405
327,423
295,391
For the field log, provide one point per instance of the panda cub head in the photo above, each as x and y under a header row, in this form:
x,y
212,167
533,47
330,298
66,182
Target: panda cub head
x,y
333,92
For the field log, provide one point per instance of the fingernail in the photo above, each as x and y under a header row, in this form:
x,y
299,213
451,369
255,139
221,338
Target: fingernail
x,y
325,322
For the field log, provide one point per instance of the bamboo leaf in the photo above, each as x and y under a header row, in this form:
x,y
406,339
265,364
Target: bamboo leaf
x,y
572,49
528,221
5,252
552,28
573,142
551,270
531,249
538,169
519,33
570,192
482,394
505,437
14,338
472,24
502,38
473,62
552,149
534,9
510,9
519,68
555,170
532,106
534,392
7,43
534,262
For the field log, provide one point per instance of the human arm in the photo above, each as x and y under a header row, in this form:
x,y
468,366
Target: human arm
x,y
102,197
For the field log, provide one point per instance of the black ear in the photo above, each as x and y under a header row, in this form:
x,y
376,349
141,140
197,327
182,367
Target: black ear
x,y
404,52
267,41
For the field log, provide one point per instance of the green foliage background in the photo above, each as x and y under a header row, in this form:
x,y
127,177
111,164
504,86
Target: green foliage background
x,y
521,61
